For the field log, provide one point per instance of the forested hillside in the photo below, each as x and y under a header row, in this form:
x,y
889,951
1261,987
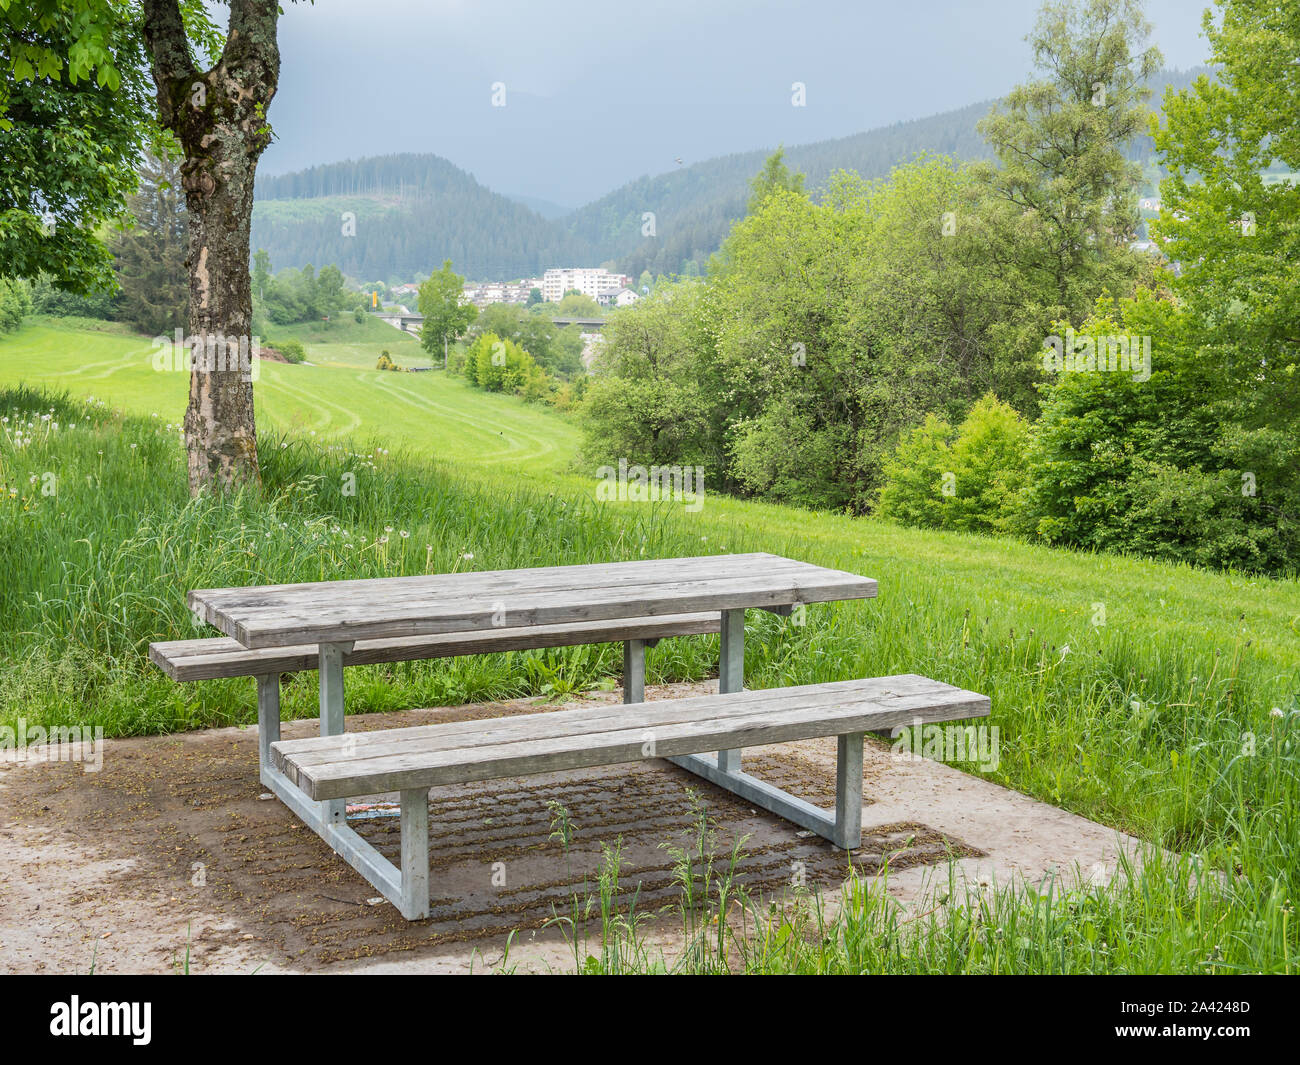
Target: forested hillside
x,y
695,206
413,211
395,216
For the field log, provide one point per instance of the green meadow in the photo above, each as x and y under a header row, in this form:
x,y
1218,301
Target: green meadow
x,y
337,394
1155,698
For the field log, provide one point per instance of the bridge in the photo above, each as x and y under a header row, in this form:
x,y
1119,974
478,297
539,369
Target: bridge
x,y
587,325
411,323
407,323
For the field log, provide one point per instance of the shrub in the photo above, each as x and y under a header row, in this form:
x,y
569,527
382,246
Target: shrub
x,y
791,456
970,478
536,386
497,365
47,299
292,350
386,362
15,303
645,421
1158,467
914,475
569,395
988,460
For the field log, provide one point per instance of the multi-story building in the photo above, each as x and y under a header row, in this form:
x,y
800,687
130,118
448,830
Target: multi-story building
x,y
599,284
483,293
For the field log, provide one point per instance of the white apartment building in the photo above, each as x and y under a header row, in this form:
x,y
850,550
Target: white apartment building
x,y
597,283
484,293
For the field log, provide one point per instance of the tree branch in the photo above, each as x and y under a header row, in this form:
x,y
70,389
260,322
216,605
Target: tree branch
x,y
251,44
169,49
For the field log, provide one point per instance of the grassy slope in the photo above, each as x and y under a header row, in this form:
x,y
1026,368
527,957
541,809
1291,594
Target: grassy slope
x,y
340,395
429,414
1141,725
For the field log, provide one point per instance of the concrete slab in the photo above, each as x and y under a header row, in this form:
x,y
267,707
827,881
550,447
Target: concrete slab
x,y
171,857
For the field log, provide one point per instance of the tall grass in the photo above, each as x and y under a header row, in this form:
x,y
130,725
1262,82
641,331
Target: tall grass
x,y
1170,918
99,567
1176,721
1166,913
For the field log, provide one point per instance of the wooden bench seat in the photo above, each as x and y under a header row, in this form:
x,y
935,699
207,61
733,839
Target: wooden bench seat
x,y
411,760
215,657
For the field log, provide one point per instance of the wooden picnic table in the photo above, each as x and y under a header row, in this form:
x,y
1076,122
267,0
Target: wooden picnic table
x,y
333,615
327,612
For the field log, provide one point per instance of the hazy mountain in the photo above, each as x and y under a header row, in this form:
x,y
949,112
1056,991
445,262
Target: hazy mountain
x,y
394,217
695,206
545,208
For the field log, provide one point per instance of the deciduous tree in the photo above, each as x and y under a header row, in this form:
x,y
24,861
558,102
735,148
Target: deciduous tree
x,y
75,117
1059,141
445,317
218,113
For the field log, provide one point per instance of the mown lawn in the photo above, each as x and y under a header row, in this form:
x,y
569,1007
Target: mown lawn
x,y
343,341
341,395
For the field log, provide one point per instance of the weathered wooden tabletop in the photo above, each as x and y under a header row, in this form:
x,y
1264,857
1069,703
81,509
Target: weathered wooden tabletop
x,y
283,615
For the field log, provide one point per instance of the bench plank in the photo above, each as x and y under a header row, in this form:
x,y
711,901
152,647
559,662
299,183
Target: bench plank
x,y
460,752
899,692
342,611
215,657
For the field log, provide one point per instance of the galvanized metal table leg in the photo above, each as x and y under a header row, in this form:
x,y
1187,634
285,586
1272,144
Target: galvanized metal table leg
x,y
848,792
731,673
843,828
268,720
333,811
634,671
415,854
406,887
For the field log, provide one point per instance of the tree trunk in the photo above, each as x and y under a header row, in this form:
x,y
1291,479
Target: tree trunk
x,y
219,116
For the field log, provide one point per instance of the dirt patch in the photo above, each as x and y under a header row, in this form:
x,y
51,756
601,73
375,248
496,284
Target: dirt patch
x,y
172,852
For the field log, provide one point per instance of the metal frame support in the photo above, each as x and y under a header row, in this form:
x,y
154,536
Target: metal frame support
x,y
848,791
843,828
731,673
330,673
268,720
354,849
415,854
634,671
406,888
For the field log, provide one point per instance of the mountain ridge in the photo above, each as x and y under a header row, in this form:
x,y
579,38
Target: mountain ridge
x,y
410,211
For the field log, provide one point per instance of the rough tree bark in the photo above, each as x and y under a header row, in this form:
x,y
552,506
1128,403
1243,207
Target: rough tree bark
x,y
219,116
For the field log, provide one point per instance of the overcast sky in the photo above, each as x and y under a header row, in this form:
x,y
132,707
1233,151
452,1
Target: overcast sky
x,y
599,93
